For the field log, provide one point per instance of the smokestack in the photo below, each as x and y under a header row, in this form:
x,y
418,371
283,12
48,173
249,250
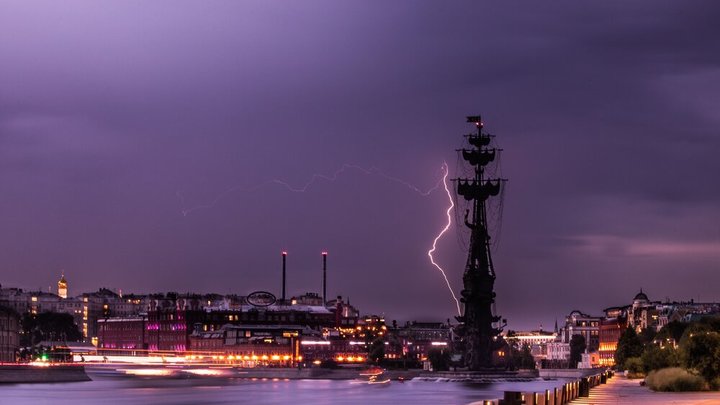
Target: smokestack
x,y
284,257
324,256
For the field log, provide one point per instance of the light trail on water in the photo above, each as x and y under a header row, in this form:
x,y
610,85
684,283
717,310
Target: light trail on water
x,y
442,232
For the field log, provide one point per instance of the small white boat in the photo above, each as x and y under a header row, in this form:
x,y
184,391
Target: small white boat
x,y
373,376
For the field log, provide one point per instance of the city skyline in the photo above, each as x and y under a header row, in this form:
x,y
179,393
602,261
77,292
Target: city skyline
x,y
158,147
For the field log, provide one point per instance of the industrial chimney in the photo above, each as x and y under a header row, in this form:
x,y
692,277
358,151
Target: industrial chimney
x,y
284,258
324,256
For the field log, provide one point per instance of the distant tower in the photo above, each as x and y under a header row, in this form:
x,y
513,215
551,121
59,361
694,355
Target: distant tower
x,y
62,286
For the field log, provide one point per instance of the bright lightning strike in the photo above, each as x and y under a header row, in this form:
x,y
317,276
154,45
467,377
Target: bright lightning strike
x,y
315,177
442,232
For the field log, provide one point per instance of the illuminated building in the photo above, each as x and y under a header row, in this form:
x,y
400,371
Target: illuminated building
x,y
103,304
62,287
558,354
531,338
249,345
611,328
9,334
171,319
417,339
122,336
578,323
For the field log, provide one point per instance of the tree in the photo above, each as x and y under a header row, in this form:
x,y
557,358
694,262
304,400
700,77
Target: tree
x,y
52,326
673,330
377,350
439,359
527,361
647,335
628,346
701,352
655,358
577,348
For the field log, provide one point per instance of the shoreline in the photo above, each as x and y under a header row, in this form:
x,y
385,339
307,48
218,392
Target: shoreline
x,y
27,374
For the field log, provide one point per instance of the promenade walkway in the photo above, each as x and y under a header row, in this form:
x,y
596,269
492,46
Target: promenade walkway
x,y
620,390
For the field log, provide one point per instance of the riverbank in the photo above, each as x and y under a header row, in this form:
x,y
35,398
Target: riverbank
x,y
620,390
25,373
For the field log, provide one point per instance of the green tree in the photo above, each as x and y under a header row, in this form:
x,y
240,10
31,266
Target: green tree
x,y
629,345
439,359
51,326
647,336
634,366
527,361
577,348
377,350
701,352
655,358
673,330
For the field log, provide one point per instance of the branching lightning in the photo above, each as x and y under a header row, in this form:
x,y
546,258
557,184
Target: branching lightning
x,y
315,177
332,178
442,232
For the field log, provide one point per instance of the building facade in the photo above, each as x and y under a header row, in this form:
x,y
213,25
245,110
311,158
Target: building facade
x,y
9,334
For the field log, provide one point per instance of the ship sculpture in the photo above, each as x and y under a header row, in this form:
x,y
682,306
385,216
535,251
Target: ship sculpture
x,y
479,327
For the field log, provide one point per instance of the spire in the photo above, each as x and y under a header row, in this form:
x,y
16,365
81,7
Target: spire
x,y
556,327
62,286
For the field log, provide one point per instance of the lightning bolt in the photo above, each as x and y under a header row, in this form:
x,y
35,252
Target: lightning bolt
x,y
313,179
332,178
372,170
442,232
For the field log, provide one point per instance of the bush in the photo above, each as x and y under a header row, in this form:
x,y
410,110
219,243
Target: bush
x,y
634,367
674,379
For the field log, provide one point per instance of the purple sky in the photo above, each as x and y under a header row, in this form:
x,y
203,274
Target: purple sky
x,y
117,118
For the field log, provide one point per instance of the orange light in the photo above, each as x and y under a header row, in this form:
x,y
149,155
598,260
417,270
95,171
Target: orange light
x,y
340,358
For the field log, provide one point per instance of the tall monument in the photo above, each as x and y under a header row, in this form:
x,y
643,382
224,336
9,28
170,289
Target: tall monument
x,y
479,326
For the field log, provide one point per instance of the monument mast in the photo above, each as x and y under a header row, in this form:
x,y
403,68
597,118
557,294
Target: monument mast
x,y
480,328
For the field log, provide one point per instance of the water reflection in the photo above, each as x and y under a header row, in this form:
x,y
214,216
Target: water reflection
x,y
245,391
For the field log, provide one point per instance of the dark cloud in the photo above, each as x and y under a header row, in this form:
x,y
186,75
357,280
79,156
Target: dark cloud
x,y
117,118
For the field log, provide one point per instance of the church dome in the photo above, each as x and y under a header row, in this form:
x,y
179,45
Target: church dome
x,y
641,296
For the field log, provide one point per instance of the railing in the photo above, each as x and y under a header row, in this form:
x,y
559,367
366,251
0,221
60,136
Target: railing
x,y
563,394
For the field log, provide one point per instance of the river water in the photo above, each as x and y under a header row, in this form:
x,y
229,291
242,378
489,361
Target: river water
x,y
246,391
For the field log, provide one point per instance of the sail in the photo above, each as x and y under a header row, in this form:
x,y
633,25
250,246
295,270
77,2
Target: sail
x,y
479,141
473,190
479,157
